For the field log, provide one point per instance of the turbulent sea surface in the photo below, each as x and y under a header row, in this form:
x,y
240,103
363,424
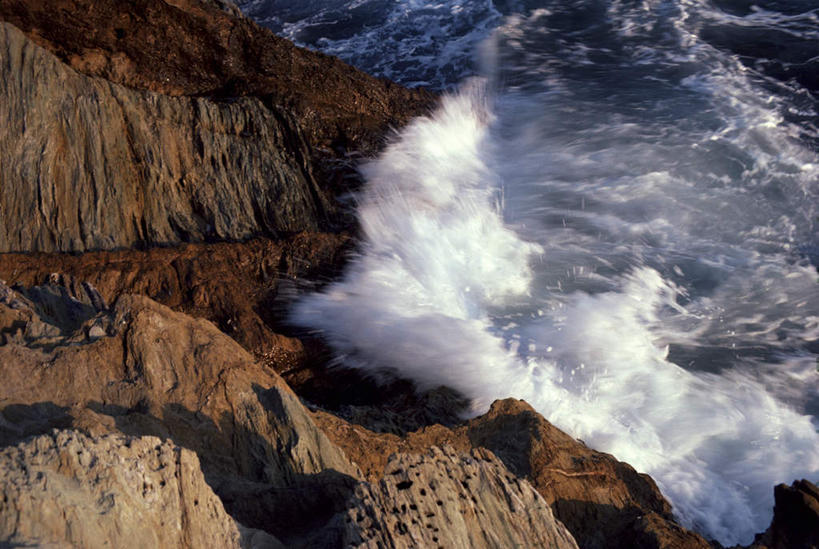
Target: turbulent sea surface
x,y
613,215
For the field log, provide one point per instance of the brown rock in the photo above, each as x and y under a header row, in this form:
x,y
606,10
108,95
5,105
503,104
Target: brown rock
x,y
243,288
795,524
187,47
445,499
603,502
88,164
66,489
161,373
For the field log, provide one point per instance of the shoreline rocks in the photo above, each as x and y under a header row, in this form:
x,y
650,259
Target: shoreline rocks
x,y
201,157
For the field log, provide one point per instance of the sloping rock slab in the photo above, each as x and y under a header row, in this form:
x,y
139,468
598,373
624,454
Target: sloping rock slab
x,y
143,369
445,499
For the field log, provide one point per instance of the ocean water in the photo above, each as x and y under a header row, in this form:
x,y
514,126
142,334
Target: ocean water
x,y
613,215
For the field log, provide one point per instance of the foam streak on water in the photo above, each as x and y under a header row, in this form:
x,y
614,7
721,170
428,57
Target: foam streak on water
x,y
619,225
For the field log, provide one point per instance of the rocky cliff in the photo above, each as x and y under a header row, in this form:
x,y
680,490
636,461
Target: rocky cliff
x,y
89,164
172,122
128,417
143,370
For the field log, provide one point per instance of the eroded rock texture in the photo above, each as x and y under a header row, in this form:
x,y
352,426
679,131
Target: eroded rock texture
x,y
603,502
142,369
88,164
188,47
66,489
445,499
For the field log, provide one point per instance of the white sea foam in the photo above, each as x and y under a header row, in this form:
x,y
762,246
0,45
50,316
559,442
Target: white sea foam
x,y
628,243
444,292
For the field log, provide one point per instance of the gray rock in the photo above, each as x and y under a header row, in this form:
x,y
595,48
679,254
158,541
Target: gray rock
x,y
66,489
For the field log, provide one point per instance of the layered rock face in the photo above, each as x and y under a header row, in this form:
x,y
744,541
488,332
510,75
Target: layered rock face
x,y
188,47
66,489
88,164
185,123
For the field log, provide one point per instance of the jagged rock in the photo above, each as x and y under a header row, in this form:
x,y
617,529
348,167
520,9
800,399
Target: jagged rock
x,y
188,47
65,489
795,524
244,288
445,499
157,372
88,164
603,502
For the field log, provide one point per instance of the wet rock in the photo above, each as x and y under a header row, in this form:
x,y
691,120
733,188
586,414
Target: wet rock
x,y
66,489
795,524
446,499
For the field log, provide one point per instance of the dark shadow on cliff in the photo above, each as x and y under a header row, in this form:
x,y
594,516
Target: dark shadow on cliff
x,y
241,467
21,421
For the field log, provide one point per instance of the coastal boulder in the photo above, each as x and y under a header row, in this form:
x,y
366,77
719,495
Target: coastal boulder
x,y
795,524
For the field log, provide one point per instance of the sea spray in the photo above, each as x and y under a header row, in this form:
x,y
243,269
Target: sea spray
x,y
445,293
434,260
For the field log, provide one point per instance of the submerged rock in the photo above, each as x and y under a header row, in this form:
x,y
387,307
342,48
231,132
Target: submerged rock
x,y
66,489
